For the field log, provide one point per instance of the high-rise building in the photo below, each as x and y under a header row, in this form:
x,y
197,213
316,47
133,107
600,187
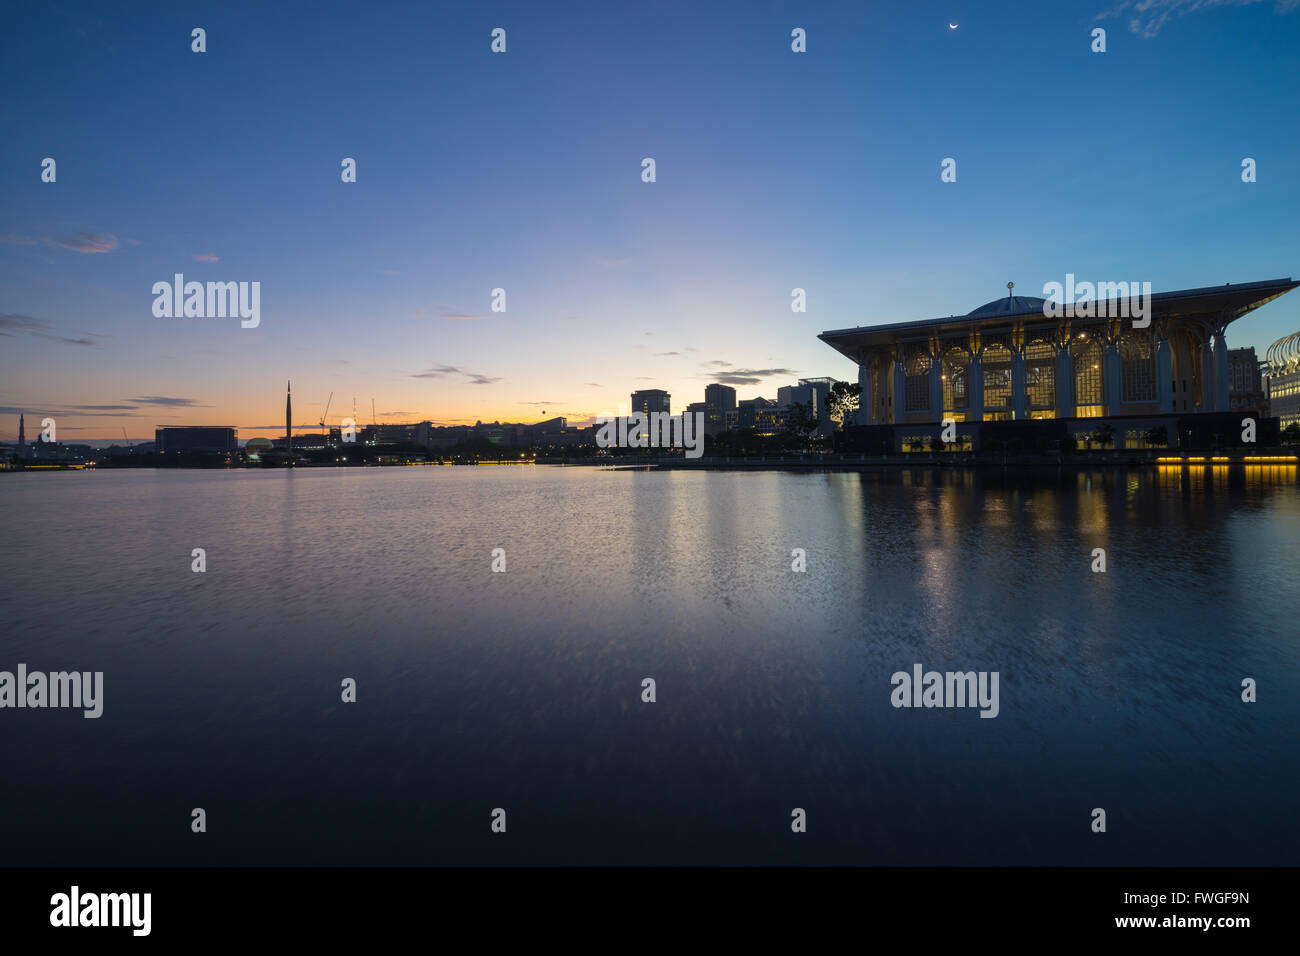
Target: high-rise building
x,y
416,433
651,400
202,440
718,400
721,397
747,411
22,434
1245,384
288,417
821,387
771,419
787,396
810,393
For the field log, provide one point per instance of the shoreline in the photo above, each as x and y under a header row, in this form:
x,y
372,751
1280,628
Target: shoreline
x,y
899,462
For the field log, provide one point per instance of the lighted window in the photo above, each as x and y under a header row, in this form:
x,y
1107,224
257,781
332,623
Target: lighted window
x,y
1040,375
1089,379
916,384
956,380
997,377
1137,367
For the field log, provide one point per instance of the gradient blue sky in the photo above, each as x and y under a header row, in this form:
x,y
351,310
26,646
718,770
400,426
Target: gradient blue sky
x,y
522,171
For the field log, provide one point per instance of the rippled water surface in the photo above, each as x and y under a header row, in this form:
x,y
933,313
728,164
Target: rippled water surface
x,y
522,690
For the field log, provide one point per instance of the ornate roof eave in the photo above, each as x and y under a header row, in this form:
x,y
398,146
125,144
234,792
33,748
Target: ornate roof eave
x,y
1218,305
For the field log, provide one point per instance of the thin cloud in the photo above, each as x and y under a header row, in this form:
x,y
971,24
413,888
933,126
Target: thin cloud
x,y
445,313
65,340
68,411
1150,16
606,262
440,372
205,257
89,242
750,376
13,320
444,371
594,384
88,412
164,401
665,354
41,329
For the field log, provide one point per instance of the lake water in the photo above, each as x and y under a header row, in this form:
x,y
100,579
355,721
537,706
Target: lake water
x,y
522,690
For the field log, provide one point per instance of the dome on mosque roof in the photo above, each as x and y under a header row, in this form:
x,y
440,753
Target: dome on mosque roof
x,y
1010,305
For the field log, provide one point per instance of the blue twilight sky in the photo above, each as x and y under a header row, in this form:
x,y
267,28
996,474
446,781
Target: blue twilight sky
x,y
522,171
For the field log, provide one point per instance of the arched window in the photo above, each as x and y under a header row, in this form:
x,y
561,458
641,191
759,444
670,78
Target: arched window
x,y
916,379
997,377
1089,378
956,380
1040,374
1137,366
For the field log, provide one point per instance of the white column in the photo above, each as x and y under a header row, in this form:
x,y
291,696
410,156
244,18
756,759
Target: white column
x,y
1164,374
864,400
1064,384
936,389
1207,377
1220,373
1019,396
1114,384
900,401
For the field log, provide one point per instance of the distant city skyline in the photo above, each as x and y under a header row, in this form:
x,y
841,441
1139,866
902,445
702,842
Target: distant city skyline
x,y
522,171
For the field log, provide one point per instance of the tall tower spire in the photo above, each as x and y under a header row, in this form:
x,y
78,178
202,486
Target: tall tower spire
x,y
22,432
288,416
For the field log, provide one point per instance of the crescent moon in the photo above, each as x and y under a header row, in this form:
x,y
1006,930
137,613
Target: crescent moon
x,y
952,26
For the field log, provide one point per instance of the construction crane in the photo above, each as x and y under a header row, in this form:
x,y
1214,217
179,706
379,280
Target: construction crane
x,y
325,436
